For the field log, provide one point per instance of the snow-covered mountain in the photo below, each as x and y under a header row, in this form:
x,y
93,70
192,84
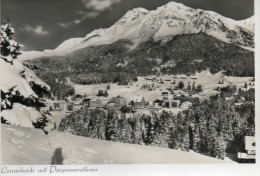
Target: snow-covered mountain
x,y
163,24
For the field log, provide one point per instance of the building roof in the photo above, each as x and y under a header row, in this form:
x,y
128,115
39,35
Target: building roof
x,y
138,99
238,104
176,101
119,96
111,104
186,102
196,96
77,106
250,142
95,100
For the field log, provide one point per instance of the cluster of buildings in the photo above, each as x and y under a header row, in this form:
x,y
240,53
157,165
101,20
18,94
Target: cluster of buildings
x,y
115,103
81,102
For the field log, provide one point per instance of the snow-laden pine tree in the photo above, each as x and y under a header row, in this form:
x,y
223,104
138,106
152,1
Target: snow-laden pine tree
x,y
196,141
10,49
220,147
19,103
162,130
137,130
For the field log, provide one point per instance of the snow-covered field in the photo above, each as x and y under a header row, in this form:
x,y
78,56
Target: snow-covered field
x,y
208,81
21,145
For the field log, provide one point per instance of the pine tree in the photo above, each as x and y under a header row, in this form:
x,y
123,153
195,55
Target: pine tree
x,y
186,140
199,88
105,93
189,87
137,131
161,130
10,49
111,131
245,86
193,86
181,85
196,141
220,147
125,131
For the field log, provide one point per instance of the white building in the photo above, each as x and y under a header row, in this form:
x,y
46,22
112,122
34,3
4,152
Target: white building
x,y
249,155
78,101
44,109
139,102
77,108
186,105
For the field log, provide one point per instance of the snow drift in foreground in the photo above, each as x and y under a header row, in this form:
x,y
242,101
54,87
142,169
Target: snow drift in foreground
x,y
21,115
140,25
24,146
17,78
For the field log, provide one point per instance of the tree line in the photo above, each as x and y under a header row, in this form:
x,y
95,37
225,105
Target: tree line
x,y
213,127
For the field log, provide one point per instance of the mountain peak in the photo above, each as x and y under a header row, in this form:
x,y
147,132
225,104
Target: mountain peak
x,y
165,23
132,15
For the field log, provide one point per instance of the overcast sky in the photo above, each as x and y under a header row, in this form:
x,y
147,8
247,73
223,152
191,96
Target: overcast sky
x,y
44,24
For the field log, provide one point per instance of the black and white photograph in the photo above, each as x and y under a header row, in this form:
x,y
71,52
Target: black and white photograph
x,y
129,82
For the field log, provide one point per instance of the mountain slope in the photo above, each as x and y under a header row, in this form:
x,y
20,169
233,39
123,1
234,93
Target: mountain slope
x,y
37,148
163,24
185,54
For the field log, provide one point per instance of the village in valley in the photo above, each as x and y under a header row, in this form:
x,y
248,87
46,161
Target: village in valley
x,y
148,94
169,99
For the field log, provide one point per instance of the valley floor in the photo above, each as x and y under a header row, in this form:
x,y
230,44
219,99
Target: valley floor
x,y
24,146
208,81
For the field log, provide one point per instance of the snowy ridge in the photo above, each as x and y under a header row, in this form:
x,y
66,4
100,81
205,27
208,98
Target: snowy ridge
x,y
248,23
68,43
164,23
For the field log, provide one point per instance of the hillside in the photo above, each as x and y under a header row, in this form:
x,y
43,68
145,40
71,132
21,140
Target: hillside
x,y
186,54
208,81
31,146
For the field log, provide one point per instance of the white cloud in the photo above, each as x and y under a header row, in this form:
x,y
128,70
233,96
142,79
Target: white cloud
x,y
36,30
64,25
93,9
84,15
99,5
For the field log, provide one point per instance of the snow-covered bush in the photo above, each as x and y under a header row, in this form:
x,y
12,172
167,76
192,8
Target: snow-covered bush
x,y
19,102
